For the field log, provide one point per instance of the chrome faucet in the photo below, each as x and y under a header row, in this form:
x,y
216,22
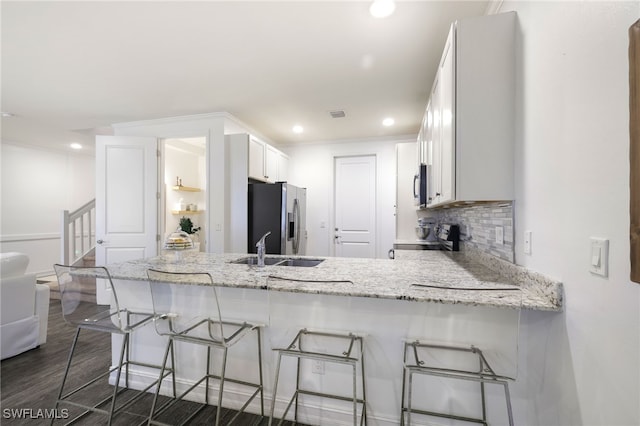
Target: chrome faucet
x,y
261,249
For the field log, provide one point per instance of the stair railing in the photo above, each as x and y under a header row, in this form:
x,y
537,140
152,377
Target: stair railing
x,y
77,230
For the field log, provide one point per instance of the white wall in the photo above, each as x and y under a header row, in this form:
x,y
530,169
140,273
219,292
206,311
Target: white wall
x,y
312,166
37,184
581,367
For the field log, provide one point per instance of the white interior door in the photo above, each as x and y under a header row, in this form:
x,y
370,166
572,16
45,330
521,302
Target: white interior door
x,y
355,206
126,201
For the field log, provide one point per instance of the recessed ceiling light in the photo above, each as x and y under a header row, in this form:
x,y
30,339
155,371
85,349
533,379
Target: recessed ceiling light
x,y
75,146
297,129
382,8
388,122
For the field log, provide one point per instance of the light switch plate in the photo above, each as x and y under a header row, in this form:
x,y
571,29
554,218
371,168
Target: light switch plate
x,y
599,256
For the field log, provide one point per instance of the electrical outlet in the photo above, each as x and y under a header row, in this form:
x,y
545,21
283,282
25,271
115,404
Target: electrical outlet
x,y
499,235
527,242
317,366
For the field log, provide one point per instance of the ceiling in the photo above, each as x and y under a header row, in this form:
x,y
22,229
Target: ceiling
x,y
71,69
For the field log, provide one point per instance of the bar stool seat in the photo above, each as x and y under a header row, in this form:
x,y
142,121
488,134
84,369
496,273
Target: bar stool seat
x,y
199,322
78,287
452,360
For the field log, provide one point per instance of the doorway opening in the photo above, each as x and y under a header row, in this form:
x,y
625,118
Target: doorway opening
x,y
185,188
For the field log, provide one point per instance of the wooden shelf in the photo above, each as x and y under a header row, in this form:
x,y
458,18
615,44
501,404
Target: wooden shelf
x,y
186,211
185,188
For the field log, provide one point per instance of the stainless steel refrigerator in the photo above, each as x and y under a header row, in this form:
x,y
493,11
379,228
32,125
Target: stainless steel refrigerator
x,y
279,208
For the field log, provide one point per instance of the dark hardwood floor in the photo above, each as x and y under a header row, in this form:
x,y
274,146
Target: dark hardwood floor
x,y
30,382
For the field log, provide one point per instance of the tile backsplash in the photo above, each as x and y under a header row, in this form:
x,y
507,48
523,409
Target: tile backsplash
x,y
478,225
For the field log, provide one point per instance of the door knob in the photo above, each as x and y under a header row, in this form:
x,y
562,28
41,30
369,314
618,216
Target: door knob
x,y
100,241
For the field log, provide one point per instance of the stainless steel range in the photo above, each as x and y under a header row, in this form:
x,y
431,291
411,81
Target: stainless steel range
x,y
446,237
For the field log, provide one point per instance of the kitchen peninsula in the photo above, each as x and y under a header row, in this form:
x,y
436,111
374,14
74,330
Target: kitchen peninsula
x,y
381,298
374,278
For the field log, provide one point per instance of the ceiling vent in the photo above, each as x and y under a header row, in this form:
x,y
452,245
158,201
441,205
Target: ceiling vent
x,y
337,114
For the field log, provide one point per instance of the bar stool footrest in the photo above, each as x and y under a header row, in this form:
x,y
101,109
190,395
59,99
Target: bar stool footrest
x,y
444,415
329,395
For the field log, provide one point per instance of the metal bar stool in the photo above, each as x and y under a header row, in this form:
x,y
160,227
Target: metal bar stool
x,y
351,353
466,362
185,319
80,309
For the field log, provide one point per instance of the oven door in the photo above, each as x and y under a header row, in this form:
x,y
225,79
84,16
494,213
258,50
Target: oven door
x,y
420,187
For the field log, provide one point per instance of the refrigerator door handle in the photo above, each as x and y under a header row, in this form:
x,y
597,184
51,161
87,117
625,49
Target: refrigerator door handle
x,y
296,229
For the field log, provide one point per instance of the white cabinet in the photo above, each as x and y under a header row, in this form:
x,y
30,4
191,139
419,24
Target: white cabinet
x,y
256,159
283,167
444,107
266,163
271,164
426,128
469,133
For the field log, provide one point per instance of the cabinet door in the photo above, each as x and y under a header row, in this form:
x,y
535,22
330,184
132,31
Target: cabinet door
x,y
283,168
442,130
420,147
435,148
256,159
426,136
427,153
447,125
271,164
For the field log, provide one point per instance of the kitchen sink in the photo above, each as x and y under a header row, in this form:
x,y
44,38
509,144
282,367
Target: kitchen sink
x,y
278,261
300,262
253,260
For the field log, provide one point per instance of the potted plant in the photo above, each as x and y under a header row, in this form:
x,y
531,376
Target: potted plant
x,y
186,225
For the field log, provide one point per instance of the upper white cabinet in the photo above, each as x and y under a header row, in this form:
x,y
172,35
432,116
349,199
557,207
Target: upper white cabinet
x,y
271,164
256,159
266,163
283,167
468,129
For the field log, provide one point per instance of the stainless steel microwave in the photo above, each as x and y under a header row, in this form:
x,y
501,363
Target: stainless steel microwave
x,y
420,186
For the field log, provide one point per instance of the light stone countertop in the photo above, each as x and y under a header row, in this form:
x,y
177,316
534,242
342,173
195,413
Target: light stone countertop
x,y
402,278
